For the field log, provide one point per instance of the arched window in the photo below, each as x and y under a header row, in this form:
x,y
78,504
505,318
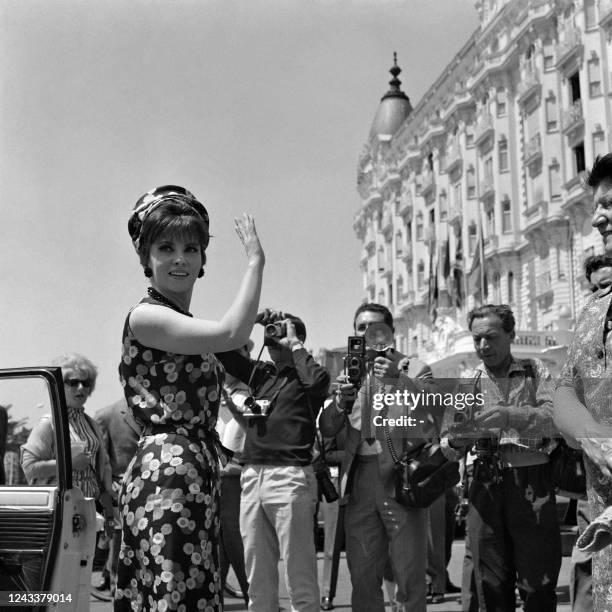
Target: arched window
x,y
419,226
472,237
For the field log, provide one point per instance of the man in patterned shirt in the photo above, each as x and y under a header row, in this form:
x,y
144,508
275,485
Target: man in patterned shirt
x,y
512,519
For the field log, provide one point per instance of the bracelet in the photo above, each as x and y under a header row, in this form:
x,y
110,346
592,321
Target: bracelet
x,y
296,346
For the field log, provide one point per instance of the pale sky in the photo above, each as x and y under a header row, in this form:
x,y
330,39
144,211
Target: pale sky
x,y
254,105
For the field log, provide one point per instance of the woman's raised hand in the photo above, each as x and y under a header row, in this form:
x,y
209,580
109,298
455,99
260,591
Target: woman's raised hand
x,y
245,228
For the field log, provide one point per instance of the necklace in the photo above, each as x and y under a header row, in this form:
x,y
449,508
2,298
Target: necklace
x,y
162,299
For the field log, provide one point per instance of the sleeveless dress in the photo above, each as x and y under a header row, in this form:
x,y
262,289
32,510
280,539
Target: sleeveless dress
x,y
169,499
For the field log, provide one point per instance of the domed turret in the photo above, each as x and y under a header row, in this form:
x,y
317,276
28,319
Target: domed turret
x,y
394,106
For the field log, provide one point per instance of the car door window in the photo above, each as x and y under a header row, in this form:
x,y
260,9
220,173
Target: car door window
x,y
31,495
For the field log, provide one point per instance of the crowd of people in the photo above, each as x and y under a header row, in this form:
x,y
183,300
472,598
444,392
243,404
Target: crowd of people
x,y
207,461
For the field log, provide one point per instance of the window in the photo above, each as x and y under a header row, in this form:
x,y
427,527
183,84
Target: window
x,y
560,264
430,164
548,50
420,274
551,114
590,15
599,144
472,236
419,226
457,195
399,290
443,204
469,135
496,289
574,84
530,58
409,233
399,244
510,287
501,102
594,77
381,259
490,222
390,293
488,168
554,180
502,148
381,297
471,183
506,216
579,164
533,124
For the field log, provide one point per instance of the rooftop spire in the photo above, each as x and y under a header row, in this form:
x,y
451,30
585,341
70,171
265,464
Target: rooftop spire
x,y
395,91
394,106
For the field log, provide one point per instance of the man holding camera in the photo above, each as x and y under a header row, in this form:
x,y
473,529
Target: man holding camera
x,y
377,527
279,491
512,520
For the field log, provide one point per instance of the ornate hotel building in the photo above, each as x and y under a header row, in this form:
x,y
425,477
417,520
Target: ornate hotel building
x,y
499,144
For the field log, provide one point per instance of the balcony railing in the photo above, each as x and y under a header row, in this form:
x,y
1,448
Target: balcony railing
x,y
453,157
487,187
533,150
605,12
529,84
570,43
543,284
484,128
455,215
387,222
428,184
572,117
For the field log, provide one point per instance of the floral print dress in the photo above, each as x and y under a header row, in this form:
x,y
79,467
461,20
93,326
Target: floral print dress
x,y
169,499
588,370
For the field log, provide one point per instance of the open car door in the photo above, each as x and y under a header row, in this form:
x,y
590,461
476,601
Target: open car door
x,y
47,532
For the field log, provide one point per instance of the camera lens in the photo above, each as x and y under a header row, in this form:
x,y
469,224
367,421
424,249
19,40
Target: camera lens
x,y
272,330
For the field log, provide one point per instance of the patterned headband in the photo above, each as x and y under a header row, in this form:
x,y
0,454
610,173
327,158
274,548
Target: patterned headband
x,y
152,199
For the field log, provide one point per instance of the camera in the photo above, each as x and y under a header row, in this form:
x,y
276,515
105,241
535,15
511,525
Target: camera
x,y
256,408
273,332
354,362
326,487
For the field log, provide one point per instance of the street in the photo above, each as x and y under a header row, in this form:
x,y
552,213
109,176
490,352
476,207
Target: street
x,y
342,601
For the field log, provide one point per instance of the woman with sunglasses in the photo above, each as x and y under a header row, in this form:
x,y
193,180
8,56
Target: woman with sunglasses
x,y
169,500
90,465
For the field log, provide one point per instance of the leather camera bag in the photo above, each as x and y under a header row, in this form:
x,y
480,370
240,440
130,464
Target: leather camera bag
x,y
422,475
567,471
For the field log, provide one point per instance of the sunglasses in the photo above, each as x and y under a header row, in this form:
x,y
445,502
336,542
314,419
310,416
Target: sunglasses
x,y
75,382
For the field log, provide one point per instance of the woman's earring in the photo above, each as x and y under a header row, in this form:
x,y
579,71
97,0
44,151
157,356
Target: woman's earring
x,y
201,273
148,272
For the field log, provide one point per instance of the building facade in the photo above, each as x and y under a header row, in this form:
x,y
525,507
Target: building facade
x,y
489,167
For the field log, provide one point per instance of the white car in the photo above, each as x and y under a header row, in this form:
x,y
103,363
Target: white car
x,y
47,533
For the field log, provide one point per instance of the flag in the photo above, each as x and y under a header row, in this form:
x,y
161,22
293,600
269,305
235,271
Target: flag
x,y
477,278
432,294
446,264
458,296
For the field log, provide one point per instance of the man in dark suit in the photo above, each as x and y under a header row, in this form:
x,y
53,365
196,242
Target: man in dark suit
x,y
377,527
120,434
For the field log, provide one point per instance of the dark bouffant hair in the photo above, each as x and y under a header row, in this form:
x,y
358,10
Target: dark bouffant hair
x,y
502,311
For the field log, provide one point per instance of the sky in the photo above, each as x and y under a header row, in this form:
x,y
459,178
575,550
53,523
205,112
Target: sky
x,y
261,106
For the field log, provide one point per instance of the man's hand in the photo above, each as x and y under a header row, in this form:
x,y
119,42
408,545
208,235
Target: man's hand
x,y
385,368
345,393
267,316
290,340
494,419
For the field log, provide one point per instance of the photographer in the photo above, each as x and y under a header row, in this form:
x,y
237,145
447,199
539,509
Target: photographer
x,y
279,491
512,520
377,527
